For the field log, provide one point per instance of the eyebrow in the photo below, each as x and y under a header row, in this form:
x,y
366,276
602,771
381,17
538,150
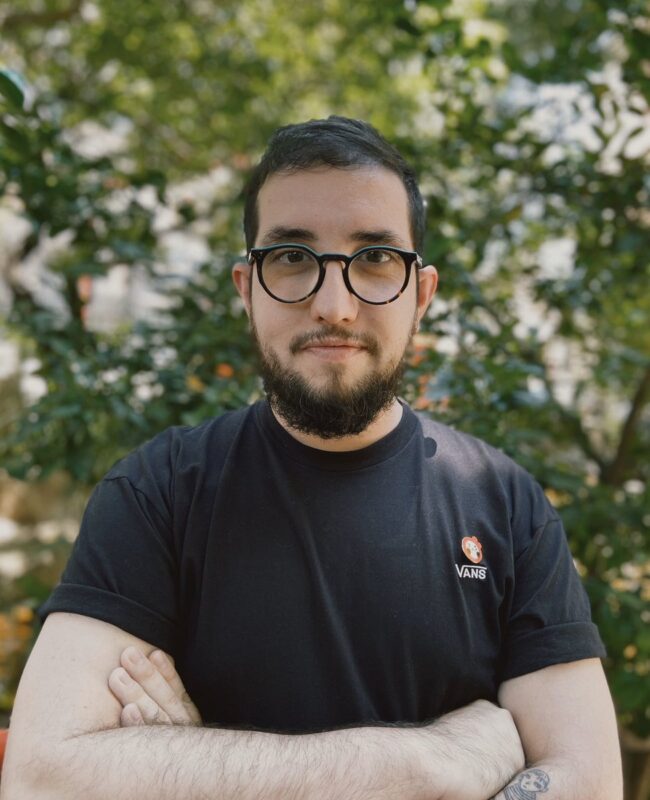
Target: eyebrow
x,y
280,234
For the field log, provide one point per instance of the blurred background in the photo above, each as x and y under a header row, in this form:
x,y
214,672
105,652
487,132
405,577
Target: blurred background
x,y
127,131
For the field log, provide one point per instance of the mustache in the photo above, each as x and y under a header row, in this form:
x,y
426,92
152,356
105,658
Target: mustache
x,y
365,340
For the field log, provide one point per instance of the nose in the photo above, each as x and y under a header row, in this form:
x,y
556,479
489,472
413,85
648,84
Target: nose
x,y
333,303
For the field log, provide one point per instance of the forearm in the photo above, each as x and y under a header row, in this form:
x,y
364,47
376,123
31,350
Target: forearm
x,y
166,762
566,779
467,754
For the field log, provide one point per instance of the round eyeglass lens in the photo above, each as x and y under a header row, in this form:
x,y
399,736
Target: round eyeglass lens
x,y
290,274
377,275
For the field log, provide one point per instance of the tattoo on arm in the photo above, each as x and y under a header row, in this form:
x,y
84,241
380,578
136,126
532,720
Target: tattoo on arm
x,y
528,785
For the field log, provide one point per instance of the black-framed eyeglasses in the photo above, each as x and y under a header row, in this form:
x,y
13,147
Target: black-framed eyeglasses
x,y
291,272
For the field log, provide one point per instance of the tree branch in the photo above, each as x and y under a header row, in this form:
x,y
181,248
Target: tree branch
x,y
42,19
614,472
573,423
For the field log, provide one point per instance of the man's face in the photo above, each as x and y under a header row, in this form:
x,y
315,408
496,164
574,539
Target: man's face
x,y
333,348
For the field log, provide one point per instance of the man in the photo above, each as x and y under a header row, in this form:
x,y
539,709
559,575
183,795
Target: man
x,y
346,588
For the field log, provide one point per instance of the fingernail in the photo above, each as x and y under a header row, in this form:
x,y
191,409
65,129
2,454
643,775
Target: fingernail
x,y
135,656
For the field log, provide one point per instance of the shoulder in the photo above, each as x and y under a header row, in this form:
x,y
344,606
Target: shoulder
x,y
486,475
462,453
179,449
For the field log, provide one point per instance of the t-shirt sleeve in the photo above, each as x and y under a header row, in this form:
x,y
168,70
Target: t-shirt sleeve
x,y
122,568
550,618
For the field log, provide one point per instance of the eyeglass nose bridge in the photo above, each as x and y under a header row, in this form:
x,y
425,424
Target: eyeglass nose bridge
x,y
323,259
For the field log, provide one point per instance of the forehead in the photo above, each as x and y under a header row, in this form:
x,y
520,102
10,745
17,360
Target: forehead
x,y
335,203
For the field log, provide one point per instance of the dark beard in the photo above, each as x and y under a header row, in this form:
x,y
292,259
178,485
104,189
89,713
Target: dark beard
x,y
332,413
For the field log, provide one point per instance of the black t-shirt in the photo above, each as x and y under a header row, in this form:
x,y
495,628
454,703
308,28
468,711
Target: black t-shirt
x,y
300,590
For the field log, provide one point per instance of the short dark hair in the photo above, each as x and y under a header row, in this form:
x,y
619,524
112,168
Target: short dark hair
x,y
338,142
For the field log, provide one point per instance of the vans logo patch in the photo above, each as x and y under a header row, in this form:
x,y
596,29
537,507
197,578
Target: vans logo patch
x,y
467,571
473,549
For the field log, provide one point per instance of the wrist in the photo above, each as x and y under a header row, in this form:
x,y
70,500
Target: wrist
x,y
397,763
430,764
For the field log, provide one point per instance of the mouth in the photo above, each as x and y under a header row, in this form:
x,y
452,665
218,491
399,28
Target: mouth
x,y
333,349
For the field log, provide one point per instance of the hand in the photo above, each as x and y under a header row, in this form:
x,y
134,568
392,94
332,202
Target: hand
x,y
479,750
151,691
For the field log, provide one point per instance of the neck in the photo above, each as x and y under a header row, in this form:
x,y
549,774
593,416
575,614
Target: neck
x,y
381,426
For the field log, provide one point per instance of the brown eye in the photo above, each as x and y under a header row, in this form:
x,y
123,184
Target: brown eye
x,y
376,256
287,257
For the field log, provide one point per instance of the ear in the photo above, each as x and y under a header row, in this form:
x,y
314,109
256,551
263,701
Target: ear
x,y
242,277
427,285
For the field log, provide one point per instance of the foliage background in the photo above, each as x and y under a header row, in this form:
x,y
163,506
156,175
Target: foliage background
x,y
126,135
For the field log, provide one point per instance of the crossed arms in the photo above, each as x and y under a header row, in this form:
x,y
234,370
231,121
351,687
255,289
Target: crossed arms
x,y
71,737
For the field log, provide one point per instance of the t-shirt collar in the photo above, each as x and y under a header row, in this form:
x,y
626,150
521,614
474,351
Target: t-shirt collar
x,y
379,451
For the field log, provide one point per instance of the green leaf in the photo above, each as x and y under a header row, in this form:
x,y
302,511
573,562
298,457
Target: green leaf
x,y
12,86
14,139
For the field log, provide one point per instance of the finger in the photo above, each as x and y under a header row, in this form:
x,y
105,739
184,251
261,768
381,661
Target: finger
x,y
143,672
164,664
131,716
129,692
